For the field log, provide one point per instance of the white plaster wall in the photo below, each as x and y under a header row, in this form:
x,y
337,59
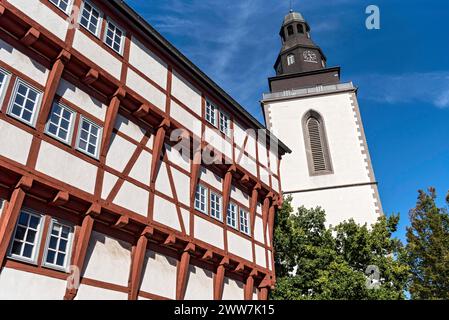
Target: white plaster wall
x,y
97,54
200,284
240,196
177,156
107,260
155,265
141,169
213,138
343,137
208,232
233,289
2,206
261,259
86,292
133,198
211,178
348,160
165,213
240,246
119,153
262,152
239,134
269,261
273,162
81,99
45,16
109,181
20,285
274,183
258,230
264,176
186,93
163,181
341,204
146,89
248,164
65,167
129,128
11,137
186,218
251,146
182,184
148,63
23,63
185,118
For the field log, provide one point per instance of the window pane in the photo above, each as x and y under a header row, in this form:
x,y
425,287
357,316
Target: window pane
x,y
88,140
51,256
24,102
58,245
28,250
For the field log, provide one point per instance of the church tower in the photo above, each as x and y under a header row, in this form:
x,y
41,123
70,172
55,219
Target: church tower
x,y
318,117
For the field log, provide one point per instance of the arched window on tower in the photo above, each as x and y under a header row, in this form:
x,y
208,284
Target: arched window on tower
x,y
317,149
290,30
300,28
290,59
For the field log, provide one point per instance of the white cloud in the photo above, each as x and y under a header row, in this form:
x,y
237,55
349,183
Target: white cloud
x,y
427,87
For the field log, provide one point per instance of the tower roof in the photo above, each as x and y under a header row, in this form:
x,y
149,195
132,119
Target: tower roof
x,y
293,17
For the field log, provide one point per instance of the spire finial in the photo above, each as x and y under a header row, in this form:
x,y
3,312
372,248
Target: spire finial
x,y
291,6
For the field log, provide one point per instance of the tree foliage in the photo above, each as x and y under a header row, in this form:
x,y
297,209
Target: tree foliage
x,y
316,262
428,248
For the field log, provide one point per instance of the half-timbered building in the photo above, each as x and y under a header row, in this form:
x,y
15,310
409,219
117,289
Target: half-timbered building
x,y
125,172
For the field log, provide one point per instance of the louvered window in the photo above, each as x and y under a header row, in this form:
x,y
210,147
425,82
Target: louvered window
x,y
316,144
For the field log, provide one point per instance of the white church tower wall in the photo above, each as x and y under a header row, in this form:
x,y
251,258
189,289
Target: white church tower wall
x,y
319,118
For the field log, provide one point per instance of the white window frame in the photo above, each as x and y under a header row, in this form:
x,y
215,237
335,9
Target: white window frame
x,y
235,216
37,243
69,5
224,118
291,59
68,254
245,214
122,39
100,18
208,114
206,197
37,106
100,134
216,207
4,85
71,127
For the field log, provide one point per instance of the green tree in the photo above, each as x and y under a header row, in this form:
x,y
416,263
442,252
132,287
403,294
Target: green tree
x,y
428,248
317,262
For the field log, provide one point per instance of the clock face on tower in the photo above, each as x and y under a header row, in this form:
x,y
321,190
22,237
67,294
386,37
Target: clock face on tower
x,y
310,56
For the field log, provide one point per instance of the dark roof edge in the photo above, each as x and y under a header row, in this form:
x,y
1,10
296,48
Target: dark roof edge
x,y
146,27
306,73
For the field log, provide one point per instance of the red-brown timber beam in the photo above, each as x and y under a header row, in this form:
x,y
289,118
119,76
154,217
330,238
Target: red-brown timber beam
x,y
249,286
111,116
227,184
82,245
52,85
182,271
253,205
264,288
158,144
137,263
11,214
219,279
195,172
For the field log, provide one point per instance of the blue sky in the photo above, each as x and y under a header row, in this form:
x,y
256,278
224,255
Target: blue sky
x,y
402,71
